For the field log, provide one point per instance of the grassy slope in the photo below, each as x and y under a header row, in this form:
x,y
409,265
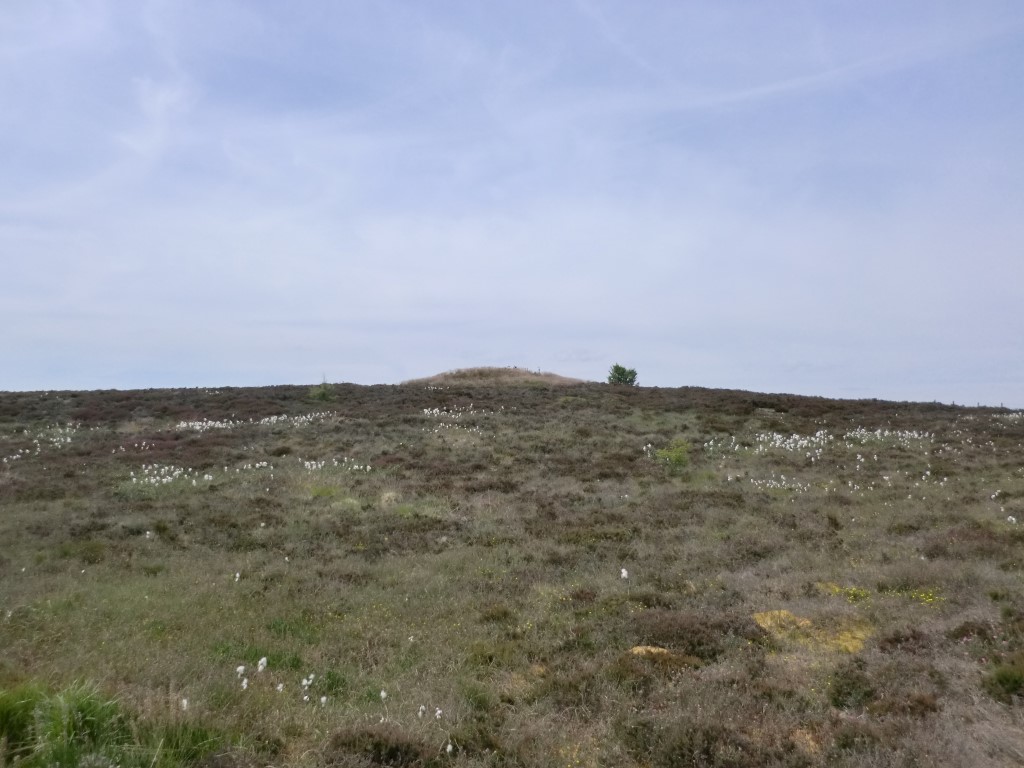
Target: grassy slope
x,y
849,597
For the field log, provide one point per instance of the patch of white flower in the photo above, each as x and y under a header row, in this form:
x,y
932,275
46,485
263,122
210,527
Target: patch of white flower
x,y
905,438
165,474
728,444
1014,417
449,419
775,441
206,425
780,483
143,446
48,437
345,465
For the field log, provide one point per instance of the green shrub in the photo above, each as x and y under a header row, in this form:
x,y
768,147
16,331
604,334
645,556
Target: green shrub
x,y
850,687
622,375
1006,679
677,455
322,392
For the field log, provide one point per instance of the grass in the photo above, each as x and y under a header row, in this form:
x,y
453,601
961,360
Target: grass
x,y
78,726
809,582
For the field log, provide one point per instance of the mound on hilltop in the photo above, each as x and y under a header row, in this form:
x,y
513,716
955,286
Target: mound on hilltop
x,y
507,375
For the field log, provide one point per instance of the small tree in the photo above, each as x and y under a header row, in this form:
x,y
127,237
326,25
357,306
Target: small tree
x,y
622,375
322,392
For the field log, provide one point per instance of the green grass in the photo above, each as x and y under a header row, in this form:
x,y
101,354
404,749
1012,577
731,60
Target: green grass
x,y
77,726
810,582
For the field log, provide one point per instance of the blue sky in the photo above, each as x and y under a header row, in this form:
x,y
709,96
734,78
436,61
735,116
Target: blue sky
x,y
810,197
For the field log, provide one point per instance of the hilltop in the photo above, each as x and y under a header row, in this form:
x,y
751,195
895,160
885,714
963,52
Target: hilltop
x,y
495,376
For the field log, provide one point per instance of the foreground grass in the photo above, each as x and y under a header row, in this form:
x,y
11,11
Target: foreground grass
x,y
79,727
457,572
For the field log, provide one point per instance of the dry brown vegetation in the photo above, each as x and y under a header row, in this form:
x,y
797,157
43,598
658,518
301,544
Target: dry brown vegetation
x,y
494,376
807,582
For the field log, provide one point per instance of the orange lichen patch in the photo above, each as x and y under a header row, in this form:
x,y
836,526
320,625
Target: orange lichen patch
x,y
781,623
784,625
805,741
650,650
664,658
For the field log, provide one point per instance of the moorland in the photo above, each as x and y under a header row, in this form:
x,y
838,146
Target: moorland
x,y
484,569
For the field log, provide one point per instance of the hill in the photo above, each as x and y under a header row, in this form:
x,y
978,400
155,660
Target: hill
x,y
535,575
492,375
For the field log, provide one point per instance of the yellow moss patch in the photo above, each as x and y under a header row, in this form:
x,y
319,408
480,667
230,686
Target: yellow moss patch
x,y
922,596
805,741
852,594
784,625
580,753
650,650
781,622
849,639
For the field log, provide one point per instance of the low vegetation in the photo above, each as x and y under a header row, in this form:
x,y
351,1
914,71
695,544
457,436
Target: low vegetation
x,y
488,570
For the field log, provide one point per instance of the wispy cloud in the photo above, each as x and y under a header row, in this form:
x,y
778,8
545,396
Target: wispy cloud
x,y
592,12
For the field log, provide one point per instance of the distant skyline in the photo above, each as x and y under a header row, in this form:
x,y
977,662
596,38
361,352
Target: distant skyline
x,y
802,197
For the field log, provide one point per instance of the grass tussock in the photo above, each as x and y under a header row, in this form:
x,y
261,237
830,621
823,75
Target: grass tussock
x,y
78,726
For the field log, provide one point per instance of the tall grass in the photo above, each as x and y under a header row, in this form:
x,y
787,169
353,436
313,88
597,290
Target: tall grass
x,y
78,726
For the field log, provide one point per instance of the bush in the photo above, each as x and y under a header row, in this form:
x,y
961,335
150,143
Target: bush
x,y
850,687
677,455
622,375
323,392
1006,679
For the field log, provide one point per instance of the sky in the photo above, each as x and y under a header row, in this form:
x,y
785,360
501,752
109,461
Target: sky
x,y
800,196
